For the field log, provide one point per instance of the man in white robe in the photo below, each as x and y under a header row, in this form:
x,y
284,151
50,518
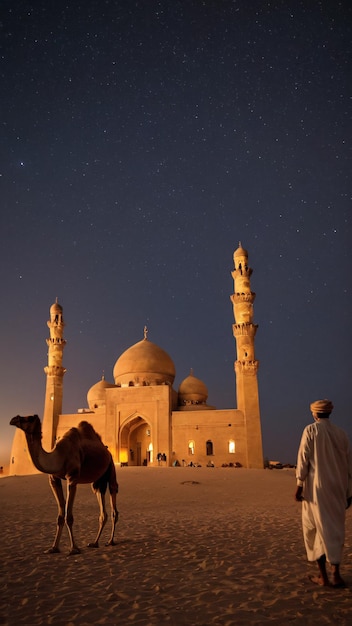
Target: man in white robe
x,y
324,486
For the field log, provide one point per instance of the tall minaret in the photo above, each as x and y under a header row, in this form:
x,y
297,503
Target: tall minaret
x,y
54,376
246,366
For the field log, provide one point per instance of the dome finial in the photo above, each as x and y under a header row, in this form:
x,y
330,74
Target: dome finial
x,y
145,331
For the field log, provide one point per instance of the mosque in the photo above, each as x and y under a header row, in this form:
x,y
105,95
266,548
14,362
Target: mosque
x,y
142,419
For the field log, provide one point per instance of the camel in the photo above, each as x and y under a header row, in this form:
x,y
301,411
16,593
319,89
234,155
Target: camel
x,y
80,457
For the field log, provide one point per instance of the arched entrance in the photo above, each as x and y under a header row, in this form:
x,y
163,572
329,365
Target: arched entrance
x,y
135,445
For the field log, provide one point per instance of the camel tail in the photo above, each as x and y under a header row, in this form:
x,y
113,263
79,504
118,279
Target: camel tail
x,y
113,484
109,478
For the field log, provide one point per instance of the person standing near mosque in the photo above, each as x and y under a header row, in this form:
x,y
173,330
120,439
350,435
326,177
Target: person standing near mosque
x,y
324,486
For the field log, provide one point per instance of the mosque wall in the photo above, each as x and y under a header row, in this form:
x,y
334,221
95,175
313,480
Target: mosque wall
x,y
209,436
137,436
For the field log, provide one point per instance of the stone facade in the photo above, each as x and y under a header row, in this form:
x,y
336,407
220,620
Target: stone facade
x,y
142,419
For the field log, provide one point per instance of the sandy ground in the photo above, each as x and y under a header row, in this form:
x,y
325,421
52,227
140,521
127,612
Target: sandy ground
x,y
195,547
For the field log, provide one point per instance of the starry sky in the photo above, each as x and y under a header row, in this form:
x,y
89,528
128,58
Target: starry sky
x,y
140,142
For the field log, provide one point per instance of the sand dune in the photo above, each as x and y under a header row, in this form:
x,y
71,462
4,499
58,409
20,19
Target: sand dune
x,y
195,547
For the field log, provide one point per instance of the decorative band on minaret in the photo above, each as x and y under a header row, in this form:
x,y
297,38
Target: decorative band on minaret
x,y
54,376
246,365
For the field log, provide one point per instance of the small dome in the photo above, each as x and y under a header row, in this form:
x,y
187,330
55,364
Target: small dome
x,y
96,394
55,308
144,363
192,390
240,251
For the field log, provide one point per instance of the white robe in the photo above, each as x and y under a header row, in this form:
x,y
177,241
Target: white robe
x,y
324,469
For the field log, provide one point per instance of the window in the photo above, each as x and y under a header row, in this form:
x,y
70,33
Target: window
x,y
232,446
209,446
191,447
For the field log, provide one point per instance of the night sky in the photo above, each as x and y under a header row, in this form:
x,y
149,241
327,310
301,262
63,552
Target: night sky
x,y
140,142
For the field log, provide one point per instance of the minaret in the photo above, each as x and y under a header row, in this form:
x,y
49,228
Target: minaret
x,y
246,366
54,376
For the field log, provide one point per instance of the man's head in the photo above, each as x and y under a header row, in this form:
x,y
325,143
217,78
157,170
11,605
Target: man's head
x,y
321,408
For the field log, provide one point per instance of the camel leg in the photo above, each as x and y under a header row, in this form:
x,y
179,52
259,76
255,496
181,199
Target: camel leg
x,y
71,493
113,488
56,487
114,518
102,518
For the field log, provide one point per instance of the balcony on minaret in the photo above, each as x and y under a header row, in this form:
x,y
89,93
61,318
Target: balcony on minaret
x,y
244,330
246,367
52,341
243,307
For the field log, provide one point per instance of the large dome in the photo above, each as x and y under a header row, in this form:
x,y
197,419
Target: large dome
x,y
144,363
96,394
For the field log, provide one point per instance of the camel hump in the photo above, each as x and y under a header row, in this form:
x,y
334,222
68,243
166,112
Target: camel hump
x,y
73,434
87,430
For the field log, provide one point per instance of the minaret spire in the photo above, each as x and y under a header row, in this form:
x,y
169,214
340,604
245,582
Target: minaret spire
x,y
54,376
246,365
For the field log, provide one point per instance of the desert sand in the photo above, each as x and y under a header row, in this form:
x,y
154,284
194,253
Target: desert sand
x,y
195,547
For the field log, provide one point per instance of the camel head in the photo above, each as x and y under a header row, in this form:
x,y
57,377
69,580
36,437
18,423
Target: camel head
x,y
30,424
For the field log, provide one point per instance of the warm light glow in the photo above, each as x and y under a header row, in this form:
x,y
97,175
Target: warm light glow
x,y
150,450
124,456
232,446
191,447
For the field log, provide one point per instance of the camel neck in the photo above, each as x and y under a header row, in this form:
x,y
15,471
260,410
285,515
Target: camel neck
x,y
46,462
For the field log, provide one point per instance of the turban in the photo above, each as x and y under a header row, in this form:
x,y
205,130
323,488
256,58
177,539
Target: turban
x,y
321,406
